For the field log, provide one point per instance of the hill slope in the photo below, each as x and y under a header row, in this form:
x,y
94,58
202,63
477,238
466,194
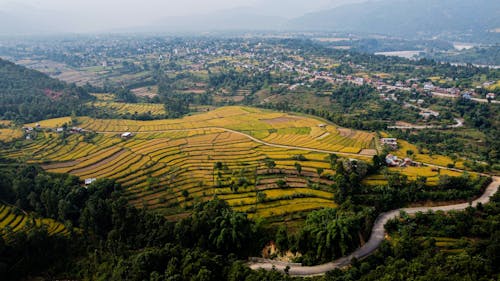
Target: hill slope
x,y
30,95
406,17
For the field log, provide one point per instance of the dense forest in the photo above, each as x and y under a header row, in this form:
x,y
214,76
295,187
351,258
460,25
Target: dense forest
x,y
117,241
28,95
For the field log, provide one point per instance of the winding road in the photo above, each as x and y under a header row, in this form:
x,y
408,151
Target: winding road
x,y
378,231
376,238
458,123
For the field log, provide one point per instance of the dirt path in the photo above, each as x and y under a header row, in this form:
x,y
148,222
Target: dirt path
x,y
245,135
378,231
376,238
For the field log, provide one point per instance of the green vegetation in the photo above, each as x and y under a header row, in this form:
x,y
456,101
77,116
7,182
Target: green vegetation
x,y
28,95
193,196
435,246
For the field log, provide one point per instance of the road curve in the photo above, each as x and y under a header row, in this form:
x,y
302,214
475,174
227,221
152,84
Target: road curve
x,y
376,238
378,231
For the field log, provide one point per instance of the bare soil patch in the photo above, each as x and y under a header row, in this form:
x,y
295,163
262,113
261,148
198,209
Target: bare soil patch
x,y
100,163
59,165
280,120
345,132
369,152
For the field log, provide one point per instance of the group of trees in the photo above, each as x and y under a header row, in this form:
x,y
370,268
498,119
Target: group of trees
x,y
111,240
28,95
414,254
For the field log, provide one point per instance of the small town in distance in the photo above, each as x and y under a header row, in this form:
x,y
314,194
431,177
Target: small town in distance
x,y
250,140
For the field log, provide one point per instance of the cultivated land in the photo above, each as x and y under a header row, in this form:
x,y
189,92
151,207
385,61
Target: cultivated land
x,y
172,163
168,165
12,220
376,238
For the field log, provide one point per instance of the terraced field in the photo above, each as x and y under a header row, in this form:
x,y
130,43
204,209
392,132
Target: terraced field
x,y
439,160
170,164
412,173
11,220
9,134
129,108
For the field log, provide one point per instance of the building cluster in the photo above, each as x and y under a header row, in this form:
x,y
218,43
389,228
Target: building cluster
x,y
392,143
394,161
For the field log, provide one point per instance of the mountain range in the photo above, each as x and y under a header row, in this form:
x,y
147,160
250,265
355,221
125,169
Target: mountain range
x,y
390,17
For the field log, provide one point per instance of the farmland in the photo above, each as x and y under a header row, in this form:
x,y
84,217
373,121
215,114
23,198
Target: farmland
x,y
170,164
128,108
9,134
15,221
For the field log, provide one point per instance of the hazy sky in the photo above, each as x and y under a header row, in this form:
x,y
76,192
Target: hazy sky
x,y
97,14
129,7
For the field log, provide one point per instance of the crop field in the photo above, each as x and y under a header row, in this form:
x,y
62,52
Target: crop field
x,y
268,126
169,165
11,220
51,123
169,170
130,108
432,175
424,157
7,135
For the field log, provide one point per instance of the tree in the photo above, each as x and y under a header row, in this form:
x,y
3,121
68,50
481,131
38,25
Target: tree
x,y
298,167
270,164
261,196
320,171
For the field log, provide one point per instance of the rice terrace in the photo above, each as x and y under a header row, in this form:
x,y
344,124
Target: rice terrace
x,y
252,155
225,153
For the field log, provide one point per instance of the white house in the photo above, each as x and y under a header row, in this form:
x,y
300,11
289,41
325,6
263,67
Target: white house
x,y
126,135
89,181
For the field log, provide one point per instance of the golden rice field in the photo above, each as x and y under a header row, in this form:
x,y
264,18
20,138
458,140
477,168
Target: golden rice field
x,y
168,165
129,108
269,126
51,123
5,122
18,221
158,168
423,157
494,86
9,134
432,175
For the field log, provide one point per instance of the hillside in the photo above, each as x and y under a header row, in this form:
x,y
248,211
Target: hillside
x,y
30,95
406,18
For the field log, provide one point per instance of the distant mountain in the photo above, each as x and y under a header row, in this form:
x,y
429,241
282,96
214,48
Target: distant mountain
x,y
30,95
244,18
405,17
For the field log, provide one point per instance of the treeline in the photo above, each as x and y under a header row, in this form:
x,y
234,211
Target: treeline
x,y
232,80
28,95
110,240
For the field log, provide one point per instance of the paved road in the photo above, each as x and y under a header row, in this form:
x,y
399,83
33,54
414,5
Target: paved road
x,y
449,96
376,238
378,231
458,123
